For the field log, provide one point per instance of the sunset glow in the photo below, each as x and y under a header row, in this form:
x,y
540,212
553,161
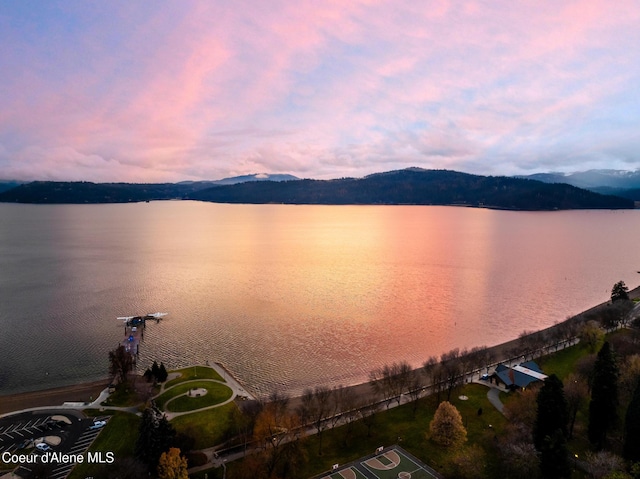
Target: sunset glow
x,y
171,91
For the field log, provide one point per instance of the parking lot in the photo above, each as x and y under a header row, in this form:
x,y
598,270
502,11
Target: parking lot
x,y
15,433
67,432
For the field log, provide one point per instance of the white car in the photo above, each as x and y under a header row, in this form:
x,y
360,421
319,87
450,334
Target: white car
x,y
44,447
98,424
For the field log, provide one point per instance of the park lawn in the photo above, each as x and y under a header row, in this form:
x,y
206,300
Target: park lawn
x,y
563,362
182,388
194,372
207,427
216,394
400,426
118,436
125,395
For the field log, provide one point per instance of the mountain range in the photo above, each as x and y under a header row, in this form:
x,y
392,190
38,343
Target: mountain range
x,y
408,186
611,182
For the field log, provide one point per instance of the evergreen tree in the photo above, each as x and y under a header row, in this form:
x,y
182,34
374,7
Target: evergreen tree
x,y
552,412
631,449
155,436
162,373
604,396
619,291
155,370
146,436
554,456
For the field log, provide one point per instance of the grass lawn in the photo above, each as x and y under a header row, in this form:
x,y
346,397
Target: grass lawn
x,y
218,390
564,361
207,427
118,436
400,426
216,394
123,396
194,372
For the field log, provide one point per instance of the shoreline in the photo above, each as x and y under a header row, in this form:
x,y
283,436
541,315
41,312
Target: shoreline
x,y
84,392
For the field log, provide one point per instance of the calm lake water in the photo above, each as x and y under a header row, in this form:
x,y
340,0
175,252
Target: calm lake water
x,y
290,296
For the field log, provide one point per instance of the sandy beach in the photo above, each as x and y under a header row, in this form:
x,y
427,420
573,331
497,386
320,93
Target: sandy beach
x,y
52,397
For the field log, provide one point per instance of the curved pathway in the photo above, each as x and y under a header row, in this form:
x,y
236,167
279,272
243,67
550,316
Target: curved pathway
x,y
236,391
493,395
171,415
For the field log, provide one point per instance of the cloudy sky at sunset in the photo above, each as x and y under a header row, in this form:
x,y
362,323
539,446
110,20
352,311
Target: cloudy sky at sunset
x,y
183,90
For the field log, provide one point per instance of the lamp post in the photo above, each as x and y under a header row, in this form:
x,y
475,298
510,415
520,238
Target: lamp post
x,y
575,462
224,469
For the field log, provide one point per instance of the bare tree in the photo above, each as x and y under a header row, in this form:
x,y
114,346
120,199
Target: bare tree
x,y
521,409
477,359
434,374
568,329
603,463
306,404
404,378
519,459
556,335
428,366
120,363
451,369
339,397
576,392
369,416
277,431
439,381
466,363
280,401
416,385
351,404
530,342
320,411
390,381
584,368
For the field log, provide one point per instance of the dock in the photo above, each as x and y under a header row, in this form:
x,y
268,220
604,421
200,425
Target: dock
x,y
134,327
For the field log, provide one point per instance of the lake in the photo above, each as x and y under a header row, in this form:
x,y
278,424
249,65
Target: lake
x,y
290,296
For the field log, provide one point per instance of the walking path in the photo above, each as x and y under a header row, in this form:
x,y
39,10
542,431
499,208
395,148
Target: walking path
x,y
237,388
237,391
493,395
171,415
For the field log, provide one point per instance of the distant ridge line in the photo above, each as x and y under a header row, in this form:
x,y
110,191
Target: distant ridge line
x,y
414,186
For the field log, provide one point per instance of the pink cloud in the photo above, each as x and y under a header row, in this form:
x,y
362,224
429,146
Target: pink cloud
x,y
314,88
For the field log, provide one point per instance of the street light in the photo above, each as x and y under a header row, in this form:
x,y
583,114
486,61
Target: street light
x,y
575,462
224,471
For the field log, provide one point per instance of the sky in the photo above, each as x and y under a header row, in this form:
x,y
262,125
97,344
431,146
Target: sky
x,y
202,90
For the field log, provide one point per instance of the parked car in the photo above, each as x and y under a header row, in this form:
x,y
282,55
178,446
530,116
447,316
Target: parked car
x,y
98,424
43,446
